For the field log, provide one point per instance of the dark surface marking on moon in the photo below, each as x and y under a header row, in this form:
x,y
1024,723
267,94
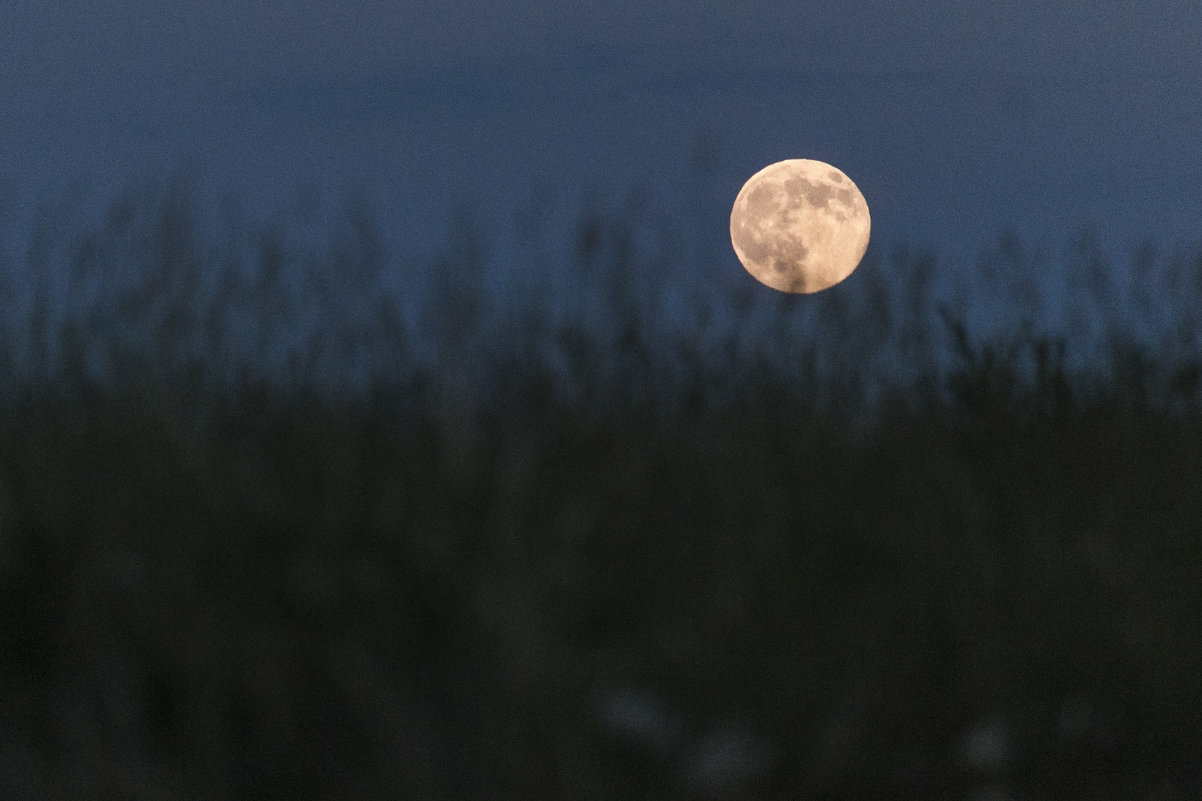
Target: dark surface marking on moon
x,y
762,201
819,195
757,250
802,191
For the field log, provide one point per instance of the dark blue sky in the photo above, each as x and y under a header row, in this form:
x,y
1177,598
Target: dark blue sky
x,y
956,120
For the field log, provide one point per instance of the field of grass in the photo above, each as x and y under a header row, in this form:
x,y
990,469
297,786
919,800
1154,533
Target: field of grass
x,y
439,546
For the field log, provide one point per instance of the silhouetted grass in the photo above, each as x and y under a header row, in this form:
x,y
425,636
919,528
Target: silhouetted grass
x,y
271,527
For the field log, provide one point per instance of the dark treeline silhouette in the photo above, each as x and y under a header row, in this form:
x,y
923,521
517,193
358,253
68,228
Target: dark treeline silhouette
x,y
274,527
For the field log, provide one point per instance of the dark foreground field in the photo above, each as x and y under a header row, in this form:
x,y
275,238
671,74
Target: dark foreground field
x,y
987,586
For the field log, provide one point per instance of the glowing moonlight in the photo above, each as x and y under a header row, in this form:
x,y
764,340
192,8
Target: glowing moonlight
x,y
799,226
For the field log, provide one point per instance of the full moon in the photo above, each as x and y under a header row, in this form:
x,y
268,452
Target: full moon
x,y
799,226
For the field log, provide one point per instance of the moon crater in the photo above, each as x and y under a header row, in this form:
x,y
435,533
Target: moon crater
x,y
800,226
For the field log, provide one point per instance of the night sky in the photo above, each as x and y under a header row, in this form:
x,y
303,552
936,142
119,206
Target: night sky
x,y
956,122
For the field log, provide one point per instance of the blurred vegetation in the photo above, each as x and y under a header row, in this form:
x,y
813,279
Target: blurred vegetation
x,y
275,523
